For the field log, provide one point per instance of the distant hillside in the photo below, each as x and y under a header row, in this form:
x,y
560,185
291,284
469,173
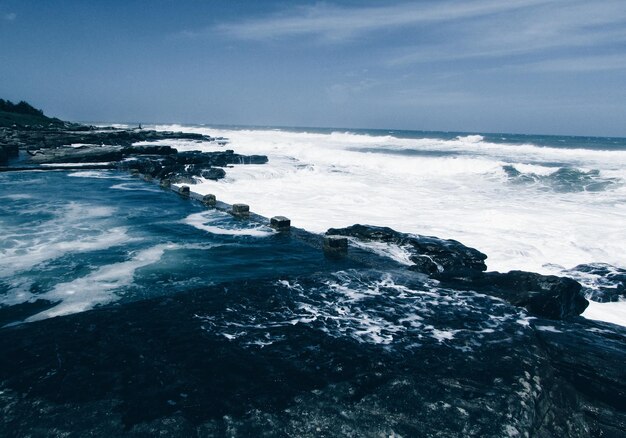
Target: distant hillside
x,y
24,115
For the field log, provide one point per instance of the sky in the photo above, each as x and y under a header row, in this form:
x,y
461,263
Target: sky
x,y
515,66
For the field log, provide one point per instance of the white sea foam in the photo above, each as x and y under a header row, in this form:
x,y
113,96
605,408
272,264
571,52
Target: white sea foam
x,y
99,286
17,196
100,174
458,191
395,252
373,310
134,187
614,312
76,228
102,163
212,222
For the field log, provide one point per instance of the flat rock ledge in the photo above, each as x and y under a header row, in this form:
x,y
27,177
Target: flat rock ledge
x,y
83,145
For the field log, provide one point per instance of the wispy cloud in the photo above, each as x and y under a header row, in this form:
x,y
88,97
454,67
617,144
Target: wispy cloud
x,y
582,64
453,30
9,16
334,23
556,25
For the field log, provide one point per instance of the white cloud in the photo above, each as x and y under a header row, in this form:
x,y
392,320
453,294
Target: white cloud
x,y
333,23
583,64
11,16
554,26
452,30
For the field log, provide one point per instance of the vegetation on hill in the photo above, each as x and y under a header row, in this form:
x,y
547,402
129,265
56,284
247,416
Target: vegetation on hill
x,y
23,114
19,108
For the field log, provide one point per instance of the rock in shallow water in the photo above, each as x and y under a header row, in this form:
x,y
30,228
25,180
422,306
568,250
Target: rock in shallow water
x,y
430,255
459,266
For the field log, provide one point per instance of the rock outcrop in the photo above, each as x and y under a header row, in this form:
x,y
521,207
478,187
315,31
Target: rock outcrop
x,y
430,255
458,266
85,144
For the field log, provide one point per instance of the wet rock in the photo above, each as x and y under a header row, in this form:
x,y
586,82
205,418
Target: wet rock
x,y
82,154
168,362
57,136
149,150
601,282
214,173
548,296
430,255
459,266
591,356
219,158
8,151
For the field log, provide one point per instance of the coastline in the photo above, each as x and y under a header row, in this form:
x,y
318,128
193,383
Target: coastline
x,y
483,326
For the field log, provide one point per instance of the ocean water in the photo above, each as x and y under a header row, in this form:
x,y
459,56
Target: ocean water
x,y
126,309
536,203
545,204
73,241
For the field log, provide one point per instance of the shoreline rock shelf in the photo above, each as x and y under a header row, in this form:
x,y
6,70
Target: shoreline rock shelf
x,y
176,361
460,267
89,145
448,261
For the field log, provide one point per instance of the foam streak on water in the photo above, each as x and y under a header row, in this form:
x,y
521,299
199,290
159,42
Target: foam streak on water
x,y
99,286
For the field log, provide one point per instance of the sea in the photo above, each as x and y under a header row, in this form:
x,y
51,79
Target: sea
x,y
539,203
130,310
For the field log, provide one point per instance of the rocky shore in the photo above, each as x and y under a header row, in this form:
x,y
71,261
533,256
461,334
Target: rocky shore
x,y
357,342
462,268
34,146
450,262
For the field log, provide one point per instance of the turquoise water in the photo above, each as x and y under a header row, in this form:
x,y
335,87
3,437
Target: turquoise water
x,y
73,242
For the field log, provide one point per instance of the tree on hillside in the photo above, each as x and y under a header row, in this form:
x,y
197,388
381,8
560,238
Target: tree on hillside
x,y
20,108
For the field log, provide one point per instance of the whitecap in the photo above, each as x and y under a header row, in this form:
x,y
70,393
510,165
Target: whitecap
x,y
613,312
214,223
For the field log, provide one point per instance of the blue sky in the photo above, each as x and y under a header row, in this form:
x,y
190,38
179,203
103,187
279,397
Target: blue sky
x,y
528,66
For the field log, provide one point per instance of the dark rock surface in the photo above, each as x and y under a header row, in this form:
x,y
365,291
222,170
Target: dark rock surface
x,y
7,151
57,137
81,154
458,266
97,145
184,167
430,255
163,366
545,295
591,356
601,282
